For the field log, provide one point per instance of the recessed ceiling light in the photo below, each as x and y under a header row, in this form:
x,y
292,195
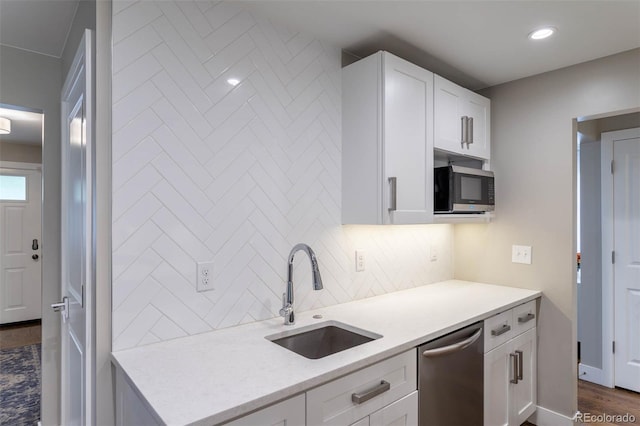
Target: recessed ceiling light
x,y
233,81
542,33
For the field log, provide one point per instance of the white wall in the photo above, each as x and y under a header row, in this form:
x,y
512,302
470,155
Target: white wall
x,y
20,152
84,18
589,313
205,171
33,81
533,155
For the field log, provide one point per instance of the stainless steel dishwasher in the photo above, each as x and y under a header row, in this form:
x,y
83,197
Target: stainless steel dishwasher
x,y
451,378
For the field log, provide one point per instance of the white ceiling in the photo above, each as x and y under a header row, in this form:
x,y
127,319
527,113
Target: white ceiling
x,y
475,43
26,126
39,26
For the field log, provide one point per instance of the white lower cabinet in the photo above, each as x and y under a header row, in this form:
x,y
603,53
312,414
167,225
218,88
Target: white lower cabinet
x,y
403,412
130,407
290,412
368,392
510,377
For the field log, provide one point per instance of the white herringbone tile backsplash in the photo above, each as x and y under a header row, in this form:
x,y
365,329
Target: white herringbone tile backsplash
x,y
203,170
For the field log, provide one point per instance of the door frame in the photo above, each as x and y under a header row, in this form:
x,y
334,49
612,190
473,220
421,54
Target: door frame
x,y
84,57
607,229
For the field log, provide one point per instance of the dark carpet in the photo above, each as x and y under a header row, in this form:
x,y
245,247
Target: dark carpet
x,y
20,386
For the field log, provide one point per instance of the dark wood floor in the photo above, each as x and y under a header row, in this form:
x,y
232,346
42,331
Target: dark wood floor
x,y
595,399
20,334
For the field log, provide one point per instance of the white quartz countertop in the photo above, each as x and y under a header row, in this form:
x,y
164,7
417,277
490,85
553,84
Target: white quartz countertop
x,y
214,377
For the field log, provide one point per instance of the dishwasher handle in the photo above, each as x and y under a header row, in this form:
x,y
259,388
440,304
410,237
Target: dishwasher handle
x,y
454,347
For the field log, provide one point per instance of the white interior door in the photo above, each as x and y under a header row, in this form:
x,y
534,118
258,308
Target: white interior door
x,y
20,234
77,254
626,223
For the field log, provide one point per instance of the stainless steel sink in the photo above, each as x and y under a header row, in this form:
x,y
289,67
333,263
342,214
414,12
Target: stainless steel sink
x,y
323,339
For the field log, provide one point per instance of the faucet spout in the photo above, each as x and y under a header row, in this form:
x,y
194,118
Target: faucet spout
x,y
287,298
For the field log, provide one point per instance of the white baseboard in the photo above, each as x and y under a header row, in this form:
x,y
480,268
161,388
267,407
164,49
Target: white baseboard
x,y
545,417
591,374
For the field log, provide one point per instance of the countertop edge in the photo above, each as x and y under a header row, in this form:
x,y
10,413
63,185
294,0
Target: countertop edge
x,y
305,385
267,400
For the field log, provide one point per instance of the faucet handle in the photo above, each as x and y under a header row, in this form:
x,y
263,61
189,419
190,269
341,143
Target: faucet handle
x,y
286,307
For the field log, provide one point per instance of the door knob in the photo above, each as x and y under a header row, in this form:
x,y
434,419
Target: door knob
x,y
62,307
35,257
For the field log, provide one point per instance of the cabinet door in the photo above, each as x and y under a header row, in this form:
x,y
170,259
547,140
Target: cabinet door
x,y
451,104
131,409
403,412
522,401
498,371
290,412
332,404
408,142
449,110
479,109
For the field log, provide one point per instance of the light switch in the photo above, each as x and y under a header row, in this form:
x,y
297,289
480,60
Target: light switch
x,y
521,254
433,253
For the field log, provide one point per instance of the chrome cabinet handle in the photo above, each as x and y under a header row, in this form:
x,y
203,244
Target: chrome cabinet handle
x,y
359,398
526,318
469,131
501,330
520,364
453,347
514,367
393,184
463,130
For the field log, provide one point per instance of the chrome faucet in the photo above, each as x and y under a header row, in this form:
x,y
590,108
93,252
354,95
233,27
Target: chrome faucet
x,y
287,298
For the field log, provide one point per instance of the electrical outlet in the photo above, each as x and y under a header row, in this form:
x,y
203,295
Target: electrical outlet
x,y
521,254
204,276
360,260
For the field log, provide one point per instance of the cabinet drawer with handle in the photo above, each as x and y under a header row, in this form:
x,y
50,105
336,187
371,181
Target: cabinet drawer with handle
x,y
356,395
524,317
498,329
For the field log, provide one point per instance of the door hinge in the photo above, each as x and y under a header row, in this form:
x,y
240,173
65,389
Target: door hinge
x,y
613,256
613,346
612,168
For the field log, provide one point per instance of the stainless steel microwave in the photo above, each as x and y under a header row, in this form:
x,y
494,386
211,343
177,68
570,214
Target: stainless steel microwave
x,y
463,190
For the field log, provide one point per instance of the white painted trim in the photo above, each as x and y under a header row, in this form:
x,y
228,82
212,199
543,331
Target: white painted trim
x,y
546,417
104,400
608,277
83,64
591,374
606,205
20,166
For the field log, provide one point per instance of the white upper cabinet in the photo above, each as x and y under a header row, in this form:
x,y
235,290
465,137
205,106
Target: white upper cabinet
x,y
387,142
462,120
